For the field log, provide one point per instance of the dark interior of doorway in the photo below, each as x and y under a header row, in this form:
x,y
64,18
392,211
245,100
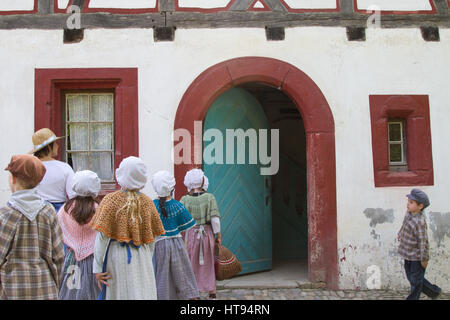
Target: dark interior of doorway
x,y
289,192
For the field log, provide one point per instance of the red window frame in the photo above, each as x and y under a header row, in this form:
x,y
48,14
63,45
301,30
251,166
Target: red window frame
x,y
414,109
49,87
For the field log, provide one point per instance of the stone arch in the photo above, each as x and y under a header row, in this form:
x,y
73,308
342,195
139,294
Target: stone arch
x,y
320,144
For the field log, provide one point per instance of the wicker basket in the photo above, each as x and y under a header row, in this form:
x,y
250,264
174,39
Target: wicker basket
x,y
226,265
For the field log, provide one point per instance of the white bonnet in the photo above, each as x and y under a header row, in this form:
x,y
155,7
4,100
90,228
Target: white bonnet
x,y
194,179
206,183
163,182
132,173
86,183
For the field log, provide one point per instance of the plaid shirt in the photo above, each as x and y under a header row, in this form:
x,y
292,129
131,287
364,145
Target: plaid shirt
x,y
31,254
413,238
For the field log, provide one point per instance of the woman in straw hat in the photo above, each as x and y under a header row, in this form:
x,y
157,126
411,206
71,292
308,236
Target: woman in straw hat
x,y
78,280
201,239
175,279
31,246
56,187
128,223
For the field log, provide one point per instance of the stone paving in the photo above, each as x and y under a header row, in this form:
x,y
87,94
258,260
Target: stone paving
x,y
313,294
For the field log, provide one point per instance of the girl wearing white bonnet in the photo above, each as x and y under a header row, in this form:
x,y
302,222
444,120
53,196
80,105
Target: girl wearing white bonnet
x,y
175,278
128,223
201,239
79,238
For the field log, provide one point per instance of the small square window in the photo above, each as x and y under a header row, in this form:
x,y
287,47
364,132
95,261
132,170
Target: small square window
x,y
401,140
397,145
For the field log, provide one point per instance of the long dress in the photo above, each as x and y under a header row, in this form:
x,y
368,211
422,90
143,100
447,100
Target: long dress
x,y
200,239
78,279
175,278
131,269
125,242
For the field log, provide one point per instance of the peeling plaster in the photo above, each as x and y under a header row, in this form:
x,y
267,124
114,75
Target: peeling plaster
x,y
440,226
378,216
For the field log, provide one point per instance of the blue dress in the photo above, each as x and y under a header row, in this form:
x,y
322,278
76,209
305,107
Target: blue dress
x,y
175,278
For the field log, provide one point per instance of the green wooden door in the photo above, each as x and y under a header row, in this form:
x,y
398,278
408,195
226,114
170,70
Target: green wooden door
x,y
242,193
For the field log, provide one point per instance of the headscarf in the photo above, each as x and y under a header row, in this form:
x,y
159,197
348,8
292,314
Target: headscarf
x,y
132,173
205,183
194,179
86,184
129,215
163,182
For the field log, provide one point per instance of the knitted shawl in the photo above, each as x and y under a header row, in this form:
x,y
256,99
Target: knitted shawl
x,y
80,238
201,207
112,219
178,218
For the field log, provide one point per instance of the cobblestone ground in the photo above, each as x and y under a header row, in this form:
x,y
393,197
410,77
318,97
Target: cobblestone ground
x,y
314,294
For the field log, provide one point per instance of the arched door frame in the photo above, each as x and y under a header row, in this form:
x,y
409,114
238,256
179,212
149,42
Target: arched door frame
x,y
320,144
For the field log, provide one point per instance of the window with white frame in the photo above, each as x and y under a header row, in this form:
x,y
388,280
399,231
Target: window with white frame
x,y
89,127
397,145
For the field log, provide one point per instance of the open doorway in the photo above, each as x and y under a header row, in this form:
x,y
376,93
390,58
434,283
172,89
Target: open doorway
x,y
319,127
289,185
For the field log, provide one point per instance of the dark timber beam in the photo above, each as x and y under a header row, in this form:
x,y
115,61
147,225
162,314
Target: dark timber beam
x,y
45,6
346,6
441,7
166,5
228,19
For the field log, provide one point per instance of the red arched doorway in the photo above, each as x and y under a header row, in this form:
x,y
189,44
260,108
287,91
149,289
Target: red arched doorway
x,y
320,144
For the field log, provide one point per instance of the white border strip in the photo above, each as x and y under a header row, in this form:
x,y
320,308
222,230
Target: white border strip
x,y
16,5
122,4
396,5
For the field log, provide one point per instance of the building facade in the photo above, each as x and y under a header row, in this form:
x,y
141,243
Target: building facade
x,y
355,89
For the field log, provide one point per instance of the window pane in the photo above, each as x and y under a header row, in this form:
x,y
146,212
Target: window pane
x,y
80,161
395,153
102,164
395,132
101,136
78,137
101,107
78,107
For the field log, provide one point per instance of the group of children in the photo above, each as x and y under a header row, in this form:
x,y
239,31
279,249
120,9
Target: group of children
x,y
128,246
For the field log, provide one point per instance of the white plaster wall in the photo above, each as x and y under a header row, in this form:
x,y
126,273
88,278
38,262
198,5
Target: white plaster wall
x,y
390,62
204,4
122,4
311,4
399,5
13,5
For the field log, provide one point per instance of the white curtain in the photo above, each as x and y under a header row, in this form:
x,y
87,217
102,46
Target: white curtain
x,y
98,137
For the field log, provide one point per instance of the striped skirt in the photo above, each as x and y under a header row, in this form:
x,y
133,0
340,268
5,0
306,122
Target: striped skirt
x,y
175,279
200,241
78,281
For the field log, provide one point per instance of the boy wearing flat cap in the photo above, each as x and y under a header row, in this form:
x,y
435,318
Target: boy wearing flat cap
x,y
414,248
31,246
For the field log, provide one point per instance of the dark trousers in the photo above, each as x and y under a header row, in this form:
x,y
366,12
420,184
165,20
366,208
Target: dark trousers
x,y
416,277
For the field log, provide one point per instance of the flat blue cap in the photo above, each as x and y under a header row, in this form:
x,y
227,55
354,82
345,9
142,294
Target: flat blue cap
x,y
419,196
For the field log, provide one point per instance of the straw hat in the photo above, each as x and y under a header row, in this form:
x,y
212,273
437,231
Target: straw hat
x,y
43,138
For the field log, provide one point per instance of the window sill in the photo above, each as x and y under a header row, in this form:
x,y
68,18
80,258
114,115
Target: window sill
x,y
385,178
